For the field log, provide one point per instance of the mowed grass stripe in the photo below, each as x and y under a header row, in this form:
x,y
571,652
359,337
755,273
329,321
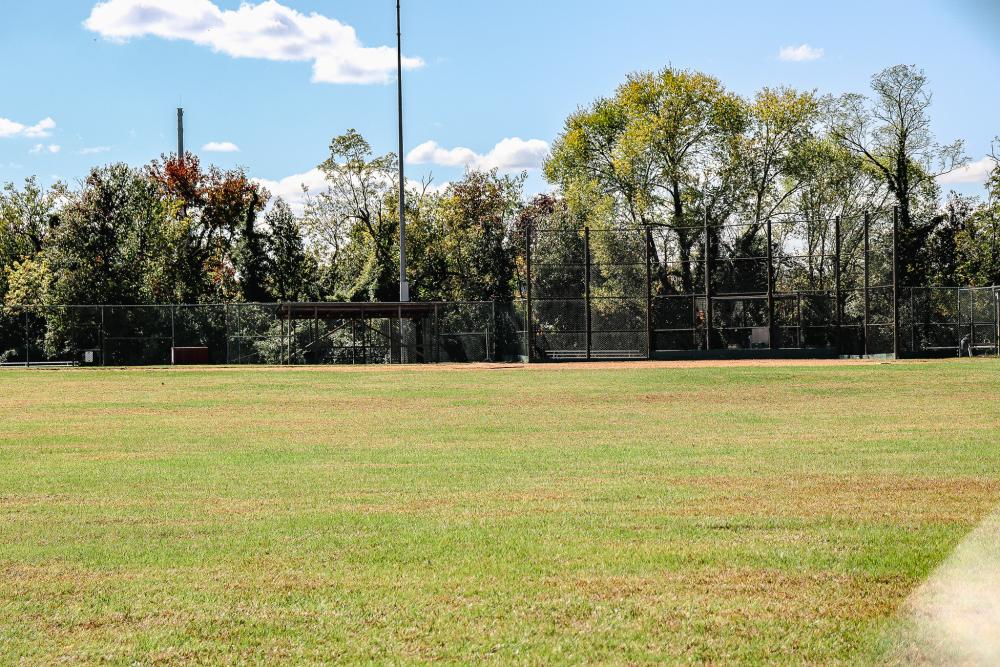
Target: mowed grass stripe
x,y
609,514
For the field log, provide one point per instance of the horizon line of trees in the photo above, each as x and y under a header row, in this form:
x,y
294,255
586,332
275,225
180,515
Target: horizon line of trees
x,y
674,149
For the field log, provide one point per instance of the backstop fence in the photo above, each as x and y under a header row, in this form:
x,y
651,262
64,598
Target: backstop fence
x,y
780,287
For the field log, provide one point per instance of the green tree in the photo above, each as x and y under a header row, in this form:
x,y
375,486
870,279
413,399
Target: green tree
x,y
476,216
217,251
99,252
978,241
27,218
892,134
681,120
292,275
770,149
942,249
560,244
250,255
359,219
590,162
833,183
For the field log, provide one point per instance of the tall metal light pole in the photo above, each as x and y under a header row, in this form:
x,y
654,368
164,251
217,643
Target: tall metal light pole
x,y
404,287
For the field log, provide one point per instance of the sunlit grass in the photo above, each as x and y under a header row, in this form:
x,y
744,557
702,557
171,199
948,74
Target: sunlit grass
x,y
518,515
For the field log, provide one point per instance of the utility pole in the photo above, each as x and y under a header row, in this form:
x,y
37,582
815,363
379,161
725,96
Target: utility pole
x,y
180,133
404,287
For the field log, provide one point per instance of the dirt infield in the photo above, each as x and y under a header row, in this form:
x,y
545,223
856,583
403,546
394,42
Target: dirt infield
x,y
706,363
627,365
541,367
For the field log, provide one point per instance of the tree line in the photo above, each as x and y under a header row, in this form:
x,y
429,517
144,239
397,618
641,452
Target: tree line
x,y
672,149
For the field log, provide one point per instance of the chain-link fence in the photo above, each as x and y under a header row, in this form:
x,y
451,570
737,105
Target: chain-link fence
x,y
950,320
586,296
245,333
813,287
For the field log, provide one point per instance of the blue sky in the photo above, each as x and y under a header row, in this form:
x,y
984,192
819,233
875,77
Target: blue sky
x,y
110,77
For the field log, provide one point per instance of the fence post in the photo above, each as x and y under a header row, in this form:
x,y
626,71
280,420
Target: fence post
x,y
527,300
838,310
913,324
648,236
895,282
958,320
972,323
996,298
354,341
316,335
103,354
238,337
173,329
586,285
772,342
436,336
493,323
709,320
27,340
364,338
798,314
867,285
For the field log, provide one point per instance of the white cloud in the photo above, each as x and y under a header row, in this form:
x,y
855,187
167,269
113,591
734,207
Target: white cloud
x,y
512,154
975,172
290,187
39,130
291,190
801,53
430,152
220,147
95,150
42,148
268,30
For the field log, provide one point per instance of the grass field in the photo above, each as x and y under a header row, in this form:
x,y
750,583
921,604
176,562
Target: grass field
x,y
614,514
